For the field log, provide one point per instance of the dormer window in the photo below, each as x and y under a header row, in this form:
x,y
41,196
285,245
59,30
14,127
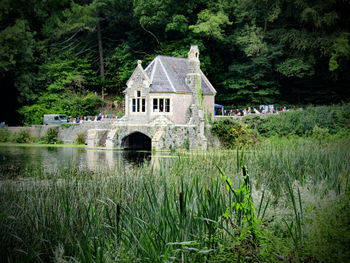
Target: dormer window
x,y
138,103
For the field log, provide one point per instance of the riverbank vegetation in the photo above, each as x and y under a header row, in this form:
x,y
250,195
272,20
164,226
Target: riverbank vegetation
x,y
24,136
318,123
55,56
290,204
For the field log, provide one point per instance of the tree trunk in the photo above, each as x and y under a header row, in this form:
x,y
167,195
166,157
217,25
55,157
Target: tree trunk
x,y
100,52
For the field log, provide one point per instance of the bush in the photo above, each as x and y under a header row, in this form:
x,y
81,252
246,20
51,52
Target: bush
x,y
23,136
301,122
32,114
233,133
51,137
82,106
343,117
66,125
4,135
80,138
320,134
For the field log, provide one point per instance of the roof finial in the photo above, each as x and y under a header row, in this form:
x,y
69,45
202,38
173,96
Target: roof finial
x,y
139,62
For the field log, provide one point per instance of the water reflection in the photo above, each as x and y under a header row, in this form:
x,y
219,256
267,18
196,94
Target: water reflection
x,y
137,157
18,160
97,159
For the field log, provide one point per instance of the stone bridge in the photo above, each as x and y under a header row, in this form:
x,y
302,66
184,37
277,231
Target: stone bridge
x,y
160,135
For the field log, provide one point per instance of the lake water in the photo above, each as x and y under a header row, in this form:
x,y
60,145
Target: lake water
x,y
15,160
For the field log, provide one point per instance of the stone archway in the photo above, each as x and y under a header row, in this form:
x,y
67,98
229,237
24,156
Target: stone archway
x,y
136,141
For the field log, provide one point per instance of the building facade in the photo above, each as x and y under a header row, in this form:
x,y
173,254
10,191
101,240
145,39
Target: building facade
x,y
166,105
170,87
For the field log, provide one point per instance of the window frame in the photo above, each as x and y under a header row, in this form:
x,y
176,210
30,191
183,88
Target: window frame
x,y
138,103
161,105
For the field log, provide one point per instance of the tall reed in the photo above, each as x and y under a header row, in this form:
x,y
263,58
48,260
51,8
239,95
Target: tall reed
x,y
172,211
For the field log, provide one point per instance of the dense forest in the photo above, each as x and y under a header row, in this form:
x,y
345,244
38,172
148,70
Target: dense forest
x,y
69,56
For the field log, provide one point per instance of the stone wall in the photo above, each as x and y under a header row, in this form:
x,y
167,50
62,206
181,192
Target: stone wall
x,y
183,137
208,104
69,134
35,131
66,134
107,134
163,137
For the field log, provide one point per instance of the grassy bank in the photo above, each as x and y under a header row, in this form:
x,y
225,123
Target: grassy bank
x,y
194,208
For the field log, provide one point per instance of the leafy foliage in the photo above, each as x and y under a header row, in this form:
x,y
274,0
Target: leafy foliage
x,y
311,121
5,135
232,133
210,24
80,138
71,105
50,137
254,52
23,136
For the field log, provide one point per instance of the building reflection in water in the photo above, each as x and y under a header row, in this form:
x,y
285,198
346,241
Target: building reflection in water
x,y
17,160
102,159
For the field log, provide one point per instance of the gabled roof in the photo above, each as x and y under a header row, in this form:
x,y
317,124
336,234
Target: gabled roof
x,y
139,73
168,74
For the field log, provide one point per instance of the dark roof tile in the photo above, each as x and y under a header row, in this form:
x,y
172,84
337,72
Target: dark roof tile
x,y
168,74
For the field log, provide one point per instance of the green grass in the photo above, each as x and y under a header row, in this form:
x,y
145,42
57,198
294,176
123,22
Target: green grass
x,y
182,209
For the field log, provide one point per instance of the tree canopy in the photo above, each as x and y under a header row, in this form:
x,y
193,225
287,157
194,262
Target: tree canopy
x,y
56,54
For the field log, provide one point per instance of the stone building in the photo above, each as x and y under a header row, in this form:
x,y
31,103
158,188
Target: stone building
x,y
171,87
166,105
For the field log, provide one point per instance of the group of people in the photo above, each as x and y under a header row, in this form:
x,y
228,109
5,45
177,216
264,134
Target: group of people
x,y
99,117
262,109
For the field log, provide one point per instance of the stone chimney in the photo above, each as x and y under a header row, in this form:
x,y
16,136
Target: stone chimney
x,y
193,77
193,59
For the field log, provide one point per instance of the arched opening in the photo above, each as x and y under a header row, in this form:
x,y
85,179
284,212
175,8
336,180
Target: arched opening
x,y
137,141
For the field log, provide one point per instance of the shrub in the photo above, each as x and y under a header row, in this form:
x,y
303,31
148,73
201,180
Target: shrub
x,y
233,133
80,138
51,137
23,136
32,114
80,106
320,133
301,122
343,117
4,135
67,125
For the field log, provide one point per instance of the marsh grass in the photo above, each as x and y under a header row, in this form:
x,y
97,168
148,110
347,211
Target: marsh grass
x,y
175,211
